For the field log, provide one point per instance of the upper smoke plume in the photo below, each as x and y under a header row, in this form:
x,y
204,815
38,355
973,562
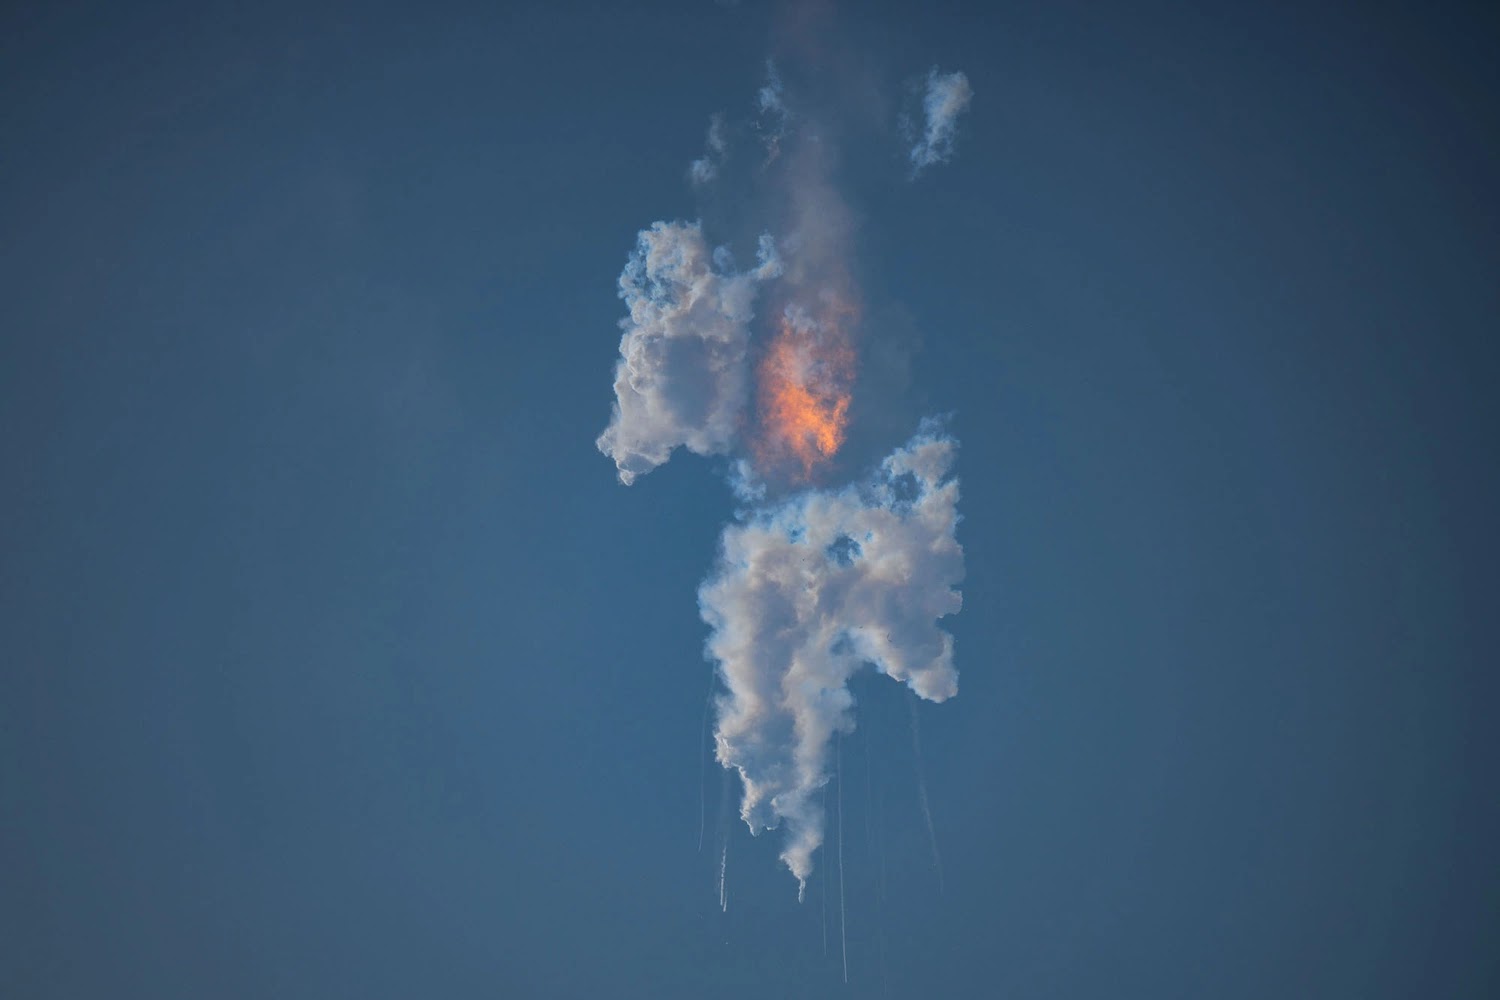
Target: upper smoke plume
x,y
946,97
682,378
805,593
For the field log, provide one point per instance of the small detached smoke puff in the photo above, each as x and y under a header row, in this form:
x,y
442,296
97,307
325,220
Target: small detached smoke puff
x,y
946,96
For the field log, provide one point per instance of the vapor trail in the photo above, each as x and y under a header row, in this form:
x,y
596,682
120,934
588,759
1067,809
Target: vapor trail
x,y
843,937
723,887
725,830
869,732
869,796
824,893
703,762
916,745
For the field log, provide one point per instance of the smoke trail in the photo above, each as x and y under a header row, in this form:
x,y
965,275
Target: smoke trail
x,y
723,871
885,984
870,852
726,829
916,745
869,796
843,933
708,701
880,822
824,893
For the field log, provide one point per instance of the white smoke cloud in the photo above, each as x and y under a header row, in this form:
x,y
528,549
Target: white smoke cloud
x,y
682,378
947,96
808,591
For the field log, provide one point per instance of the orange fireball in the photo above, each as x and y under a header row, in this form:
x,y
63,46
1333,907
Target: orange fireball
x,y
805,383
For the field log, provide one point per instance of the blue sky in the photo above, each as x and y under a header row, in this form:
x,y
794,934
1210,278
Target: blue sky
x,y
336,662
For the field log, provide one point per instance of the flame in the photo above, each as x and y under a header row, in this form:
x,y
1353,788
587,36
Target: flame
x,y
805,384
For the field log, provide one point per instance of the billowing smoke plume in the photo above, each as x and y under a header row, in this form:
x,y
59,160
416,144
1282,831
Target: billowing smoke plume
x,y
808,591
683,373
946,97
813,581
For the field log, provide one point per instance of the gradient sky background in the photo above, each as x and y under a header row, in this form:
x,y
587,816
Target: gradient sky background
x,y
336,662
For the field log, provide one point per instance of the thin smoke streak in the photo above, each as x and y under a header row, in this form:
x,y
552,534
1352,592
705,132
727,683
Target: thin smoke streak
x,y
880,822
725,828
723,883
824,893
916,744
703,763
885,979
869,738
869,829
843,933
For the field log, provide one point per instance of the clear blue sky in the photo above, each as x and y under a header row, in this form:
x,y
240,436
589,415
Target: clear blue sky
x,y
334,661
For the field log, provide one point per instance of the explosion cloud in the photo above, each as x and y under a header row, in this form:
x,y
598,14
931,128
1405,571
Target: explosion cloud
x,y
805,384
813,581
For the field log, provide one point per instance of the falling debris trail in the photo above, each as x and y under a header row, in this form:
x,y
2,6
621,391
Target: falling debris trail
x,y
703,763
824,893
870,852
725,829
885,976
869,826
723,886
916,745
880,805
843,937
880,832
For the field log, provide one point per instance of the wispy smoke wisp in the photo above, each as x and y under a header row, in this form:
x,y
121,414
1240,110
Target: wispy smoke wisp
x,y
704,169
808,591
772,114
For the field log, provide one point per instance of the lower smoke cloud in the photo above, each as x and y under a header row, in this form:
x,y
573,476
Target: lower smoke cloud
x,y
806,592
